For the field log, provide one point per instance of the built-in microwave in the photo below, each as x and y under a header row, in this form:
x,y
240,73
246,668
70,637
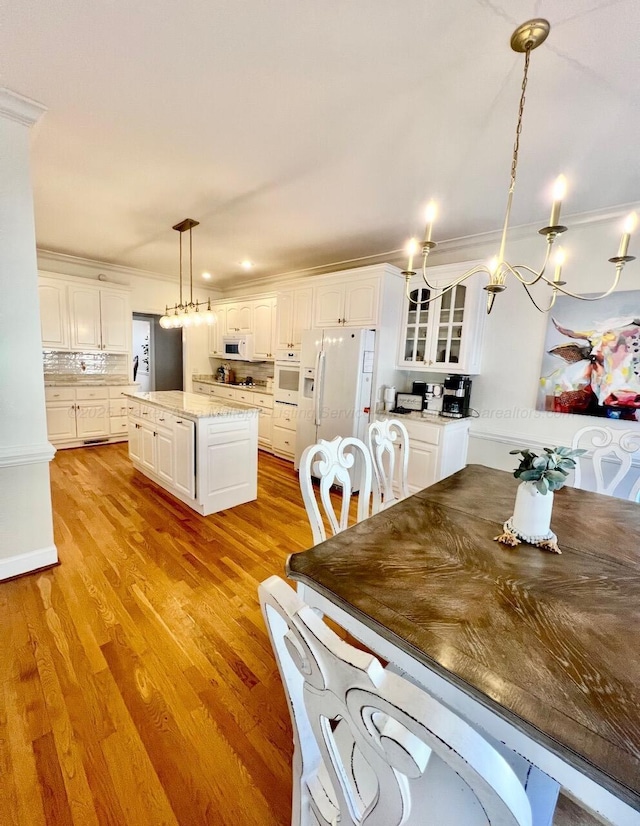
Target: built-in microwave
x,y
238,346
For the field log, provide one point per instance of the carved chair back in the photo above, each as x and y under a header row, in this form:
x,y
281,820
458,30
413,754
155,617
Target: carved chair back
x,y
371,748
342,462
611,459
383,436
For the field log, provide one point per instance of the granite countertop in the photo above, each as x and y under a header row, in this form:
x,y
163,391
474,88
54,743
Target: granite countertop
x,y
192,405
252,388
92,381
417,416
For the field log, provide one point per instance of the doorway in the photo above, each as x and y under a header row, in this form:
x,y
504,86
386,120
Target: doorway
x,y
157,354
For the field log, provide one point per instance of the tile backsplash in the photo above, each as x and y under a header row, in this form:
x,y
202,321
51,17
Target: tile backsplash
x,y
259,371
62,363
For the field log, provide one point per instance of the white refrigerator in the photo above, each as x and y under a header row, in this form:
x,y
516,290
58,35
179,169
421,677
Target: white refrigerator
x,y
334,397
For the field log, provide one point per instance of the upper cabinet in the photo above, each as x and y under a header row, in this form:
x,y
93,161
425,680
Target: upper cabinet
x,y
54,314
218,329
352,303
443,333
293,316
77,314
240,317
264,310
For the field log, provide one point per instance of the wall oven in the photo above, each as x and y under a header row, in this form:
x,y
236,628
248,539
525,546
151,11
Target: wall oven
x,y
286,378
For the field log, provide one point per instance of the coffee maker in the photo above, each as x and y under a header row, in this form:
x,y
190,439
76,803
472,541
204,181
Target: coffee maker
x,y
456,397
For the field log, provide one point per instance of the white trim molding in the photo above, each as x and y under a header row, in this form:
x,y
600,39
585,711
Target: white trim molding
x,y
20,564
15,455
19,108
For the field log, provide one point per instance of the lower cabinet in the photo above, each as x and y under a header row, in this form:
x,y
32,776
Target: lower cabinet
x,y
210,463
436,450
284,430
250,398
78,416
164,444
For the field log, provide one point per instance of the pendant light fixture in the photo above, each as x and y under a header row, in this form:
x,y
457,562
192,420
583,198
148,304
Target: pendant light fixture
x,y
525,39
187,313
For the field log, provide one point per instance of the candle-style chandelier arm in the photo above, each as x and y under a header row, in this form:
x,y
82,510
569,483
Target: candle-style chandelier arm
x,y
438,292
525,39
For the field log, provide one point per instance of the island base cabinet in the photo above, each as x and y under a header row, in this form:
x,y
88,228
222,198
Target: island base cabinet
x,y
208,463
227,462
184,478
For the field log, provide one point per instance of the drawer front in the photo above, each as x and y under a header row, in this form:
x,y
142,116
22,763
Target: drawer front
x,y
284,415
283,441
59,394
218,392
133,408
201,388
261,400
116,392
164,418
423,431
91,393
118,408
118,425
147,412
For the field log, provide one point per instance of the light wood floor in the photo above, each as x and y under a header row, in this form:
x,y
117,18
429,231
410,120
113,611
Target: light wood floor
x,y
138,685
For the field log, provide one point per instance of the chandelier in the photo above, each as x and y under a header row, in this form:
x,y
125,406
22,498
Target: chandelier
x,y
189,313
525,39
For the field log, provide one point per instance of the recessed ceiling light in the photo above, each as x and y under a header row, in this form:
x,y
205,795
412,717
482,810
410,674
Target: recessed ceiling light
x,y
246,264
206,275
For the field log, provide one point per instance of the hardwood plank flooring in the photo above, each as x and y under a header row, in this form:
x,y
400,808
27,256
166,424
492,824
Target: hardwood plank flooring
x,y
138,684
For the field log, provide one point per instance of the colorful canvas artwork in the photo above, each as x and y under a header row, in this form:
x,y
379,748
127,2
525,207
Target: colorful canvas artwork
x,y
591,360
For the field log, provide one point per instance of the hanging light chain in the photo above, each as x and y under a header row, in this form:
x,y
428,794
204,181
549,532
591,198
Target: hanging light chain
x,y
516,145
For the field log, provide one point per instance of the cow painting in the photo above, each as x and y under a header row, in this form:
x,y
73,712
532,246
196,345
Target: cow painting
x,y
596,371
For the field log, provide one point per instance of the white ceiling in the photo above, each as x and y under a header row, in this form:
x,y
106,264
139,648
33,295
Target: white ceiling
x,y
304,133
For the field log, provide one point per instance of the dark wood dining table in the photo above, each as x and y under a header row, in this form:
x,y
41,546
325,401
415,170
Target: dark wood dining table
x,y
540,650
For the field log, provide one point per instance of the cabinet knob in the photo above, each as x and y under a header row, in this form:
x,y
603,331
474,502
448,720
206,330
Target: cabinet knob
x,y
154,433
179,421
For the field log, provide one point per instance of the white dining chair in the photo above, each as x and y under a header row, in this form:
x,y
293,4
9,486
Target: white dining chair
x,y
609,466
384,435
343,463
372,748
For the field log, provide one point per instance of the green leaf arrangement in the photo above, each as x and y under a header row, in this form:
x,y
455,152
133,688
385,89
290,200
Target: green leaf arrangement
x,y
549,471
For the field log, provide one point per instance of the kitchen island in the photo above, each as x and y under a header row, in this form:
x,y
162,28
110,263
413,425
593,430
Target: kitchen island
x,y
201,450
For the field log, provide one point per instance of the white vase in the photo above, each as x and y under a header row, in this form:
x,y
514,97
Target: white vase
x,y
532,514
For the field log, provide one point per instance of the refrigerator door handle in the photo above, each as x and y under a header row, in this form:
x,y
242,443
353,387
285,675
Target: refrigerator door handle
x,y
319,386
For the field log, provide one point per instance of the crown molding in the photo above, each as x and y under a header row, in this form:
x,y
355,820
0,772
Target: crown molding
x,y
76,265
19,108
226,288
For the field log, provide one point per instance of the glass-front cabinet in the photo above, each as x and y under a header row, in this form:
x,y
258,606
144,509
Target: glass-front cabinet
x,y
443,333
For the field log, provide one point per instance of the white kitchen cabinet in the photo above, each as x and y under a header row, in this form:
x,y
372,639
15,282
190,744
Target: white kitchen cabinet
x,y
79,415
263,327
115,321
293,315
217,330
84,306
436,450
148,446
135,440
239,317
164,450
184,457
444,335
77,314
61,420
283,433
54,314
210,463
349,303
92,419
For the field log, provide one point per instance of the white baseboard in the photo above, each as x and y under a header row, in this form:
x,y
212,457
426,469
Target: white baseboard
x,y
30,561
